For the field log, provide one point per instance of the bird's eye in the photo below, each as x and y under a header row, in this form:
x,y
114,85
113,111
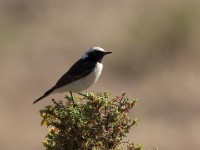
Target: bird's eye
x,y
92,54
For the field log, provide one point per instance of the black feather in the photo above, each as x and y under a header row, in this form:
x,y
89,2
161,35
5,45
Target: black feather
x,y
80,69
45,95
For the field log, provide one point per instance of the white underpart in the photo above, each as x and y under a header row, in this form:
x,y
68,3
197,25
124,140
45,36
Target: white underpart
x,y
84,83
92,49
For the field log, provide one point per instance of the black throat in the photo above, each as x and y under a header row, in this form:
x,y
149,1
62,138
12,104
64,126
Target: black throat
x,y
95,56
93,59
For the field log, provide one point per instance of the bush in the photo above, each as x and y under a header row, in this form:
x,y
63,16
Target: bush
x,y
91,122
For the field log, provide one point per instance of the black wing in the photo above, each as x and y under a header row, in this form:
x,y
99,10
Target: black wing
x,y
79,70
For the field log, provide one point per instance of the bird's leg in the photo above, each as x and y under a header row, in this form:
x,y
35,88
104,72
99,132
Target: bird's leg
x,y
82,94
72,98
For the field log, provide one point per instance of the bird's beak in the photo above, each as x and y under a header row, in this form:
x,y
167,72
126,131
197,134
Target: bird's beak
x,y
108,53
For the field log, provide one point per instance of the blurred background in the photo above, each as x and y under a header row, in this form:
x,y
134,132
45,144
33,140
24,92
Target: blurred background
x,y
155,58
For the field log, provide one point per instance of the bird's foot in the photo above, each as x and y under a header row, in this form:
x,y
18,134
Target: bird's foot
x,y
72,99
85,95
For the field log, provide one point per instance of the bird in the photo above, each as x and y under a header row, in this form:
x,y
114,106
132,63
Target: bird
x,y
82,74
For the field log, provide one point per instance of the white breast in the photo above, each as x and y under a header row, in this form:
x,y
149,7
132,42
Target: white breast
x,y
84,83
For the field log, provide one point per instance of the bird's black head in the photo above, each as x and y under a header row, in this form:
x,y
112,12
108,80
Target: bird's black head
x,y
95,54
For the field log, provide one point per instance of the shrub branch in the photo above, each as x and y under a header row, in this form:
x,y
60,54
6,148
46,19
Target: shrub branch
x,y
91,122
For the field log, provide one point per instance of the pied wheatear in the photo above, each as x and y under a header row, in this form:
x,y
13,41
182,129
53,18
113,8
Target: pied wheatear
x,y
83,74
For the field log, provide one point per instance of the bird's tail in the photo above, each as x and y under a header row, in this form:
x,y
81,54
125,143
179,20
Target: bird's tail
x,y
45,95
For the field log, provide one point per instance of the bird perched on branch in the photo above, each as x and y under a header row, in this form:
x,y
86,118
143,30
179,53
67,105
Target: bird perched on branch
x,y
83,74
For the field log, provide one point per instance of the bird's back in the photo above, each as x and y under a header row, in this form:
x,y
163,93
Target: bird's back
x,y
83,83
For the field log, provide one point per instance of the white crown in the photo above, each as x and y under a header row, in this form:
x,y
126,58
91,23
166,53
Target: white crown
x,y
91,50
95,49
